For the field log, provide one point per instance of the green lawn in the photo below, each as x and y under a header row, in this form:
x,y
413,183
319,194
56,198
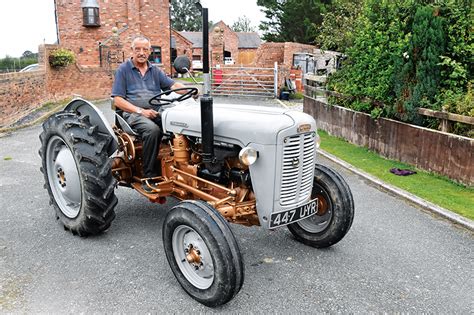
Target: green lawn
x,y
434,188
198,79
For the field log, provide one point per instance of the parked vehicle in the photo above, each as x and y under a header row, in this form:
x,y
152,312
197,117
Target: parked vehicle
x,y
32,67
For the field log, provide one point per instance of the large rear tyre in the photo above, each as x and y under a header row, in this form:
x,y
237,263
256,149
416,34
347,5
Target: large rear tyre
x,y
77,173
203,253
335,211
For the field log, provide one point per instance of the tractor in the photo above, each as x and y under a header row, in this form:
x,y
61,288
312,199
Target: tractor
x,y
242,164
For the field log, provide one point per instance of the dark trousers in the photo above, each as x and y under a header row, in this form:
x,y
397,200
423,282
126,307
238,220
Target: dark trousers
x,y
151,134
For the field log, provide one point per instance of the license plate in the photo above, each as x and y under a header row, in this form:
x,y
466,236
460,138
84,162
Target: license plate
x,y
293,215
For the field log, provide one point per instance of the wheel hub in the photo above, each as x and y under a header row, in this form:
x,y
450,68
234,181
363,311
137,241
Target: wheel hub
x,y
61,177
193,256
322,205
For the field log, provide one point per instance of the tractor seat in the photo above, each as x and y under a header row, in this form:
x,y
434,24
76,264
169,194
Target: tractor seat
x,y
124,125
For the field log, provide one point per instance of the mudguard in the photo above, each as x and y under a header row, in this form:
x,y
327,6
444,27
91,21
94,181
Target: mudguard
x,y
96,117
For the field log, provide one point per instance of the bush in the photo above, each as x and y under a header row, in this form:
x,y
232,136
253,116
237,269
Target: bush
x,y
61,57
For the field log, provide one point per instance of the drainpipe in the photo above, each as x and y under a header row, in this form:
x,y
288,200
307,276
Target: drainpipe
x,y
56,20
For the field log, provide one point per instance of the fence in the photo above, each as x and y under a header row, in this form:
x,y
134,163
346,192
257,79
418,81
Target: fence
x,y
446,154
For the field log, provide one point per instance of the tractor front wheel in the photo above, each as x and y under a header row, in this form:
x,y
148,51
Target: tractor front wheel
x,y
203,253
335,211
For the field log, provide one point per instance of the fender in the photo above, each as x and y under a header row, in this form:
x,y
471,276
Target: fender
x,y
96,117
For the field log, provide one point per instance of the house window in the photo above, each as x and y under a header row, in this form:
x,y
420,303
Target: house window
x,y
90,13
155,55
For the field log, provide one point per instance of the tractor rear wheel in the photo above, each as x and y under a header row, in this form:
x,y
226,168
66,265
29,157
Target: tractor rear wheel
x,y
77,173
203,253
335,211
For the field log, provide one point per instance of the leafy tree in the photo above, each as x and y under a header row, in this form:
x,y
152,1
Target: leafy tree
x,y
337,29
292,20
418,81
378,38
243,24
185,16
27,54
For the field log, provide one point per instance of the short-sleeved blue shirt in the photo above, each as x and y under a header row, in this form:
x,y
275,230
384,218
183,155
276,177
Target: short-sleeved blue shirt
x,y
138,89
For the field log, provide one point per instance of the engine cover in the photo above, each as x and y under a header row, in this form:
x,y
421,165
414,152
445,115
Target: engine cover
x,y
238,124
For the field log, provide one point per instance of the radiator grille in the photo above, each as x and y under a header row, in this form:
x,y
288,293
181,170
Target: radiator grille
x,y
298,167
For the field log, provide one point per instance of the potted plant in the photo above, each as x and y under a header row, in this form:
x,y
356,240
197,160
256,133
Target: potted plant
x,y
61,57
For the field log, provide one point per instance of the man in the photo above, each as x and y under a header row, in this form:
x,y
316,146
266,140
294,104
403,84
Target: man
x,y
136,81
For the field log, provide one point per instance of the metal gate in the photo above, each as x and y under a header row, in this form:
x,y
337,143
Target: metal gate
x,y
244,81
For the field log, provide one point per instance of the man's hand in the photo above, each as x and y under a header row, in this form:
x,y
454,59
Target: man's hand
x,y
150,113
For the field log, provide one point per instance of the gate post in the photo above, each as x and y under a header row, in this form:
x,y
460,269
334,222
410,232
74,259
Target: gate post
x,y
275,79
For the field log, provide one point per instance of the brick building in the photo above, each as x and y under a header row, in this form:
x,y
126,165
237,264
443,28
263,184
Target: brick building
x,y
224,44
99,31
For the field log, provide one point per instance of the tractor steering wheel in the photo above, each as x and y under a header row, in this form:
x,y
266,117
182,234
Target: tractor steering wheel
x,y
158,101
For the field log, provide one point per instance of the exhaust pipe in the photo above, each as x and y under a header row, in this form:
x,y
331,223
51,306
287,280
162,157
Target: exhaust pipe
x,y
207,119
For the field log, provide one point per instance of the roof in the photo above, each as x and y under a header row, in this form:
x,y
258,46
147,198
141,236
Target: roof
x,y
193,37
249,40
246,39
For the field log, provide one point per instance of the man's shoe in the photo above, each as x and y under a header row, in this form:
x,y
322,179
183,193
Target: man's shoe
x,y
147,188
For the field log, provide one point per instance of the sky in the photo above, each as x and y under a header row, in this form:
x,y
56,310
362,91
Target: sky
x,y
25,24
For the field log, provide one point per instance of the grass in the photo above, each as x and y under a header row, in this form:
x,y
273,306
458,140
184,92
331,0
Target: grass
x,y
434,188
198,79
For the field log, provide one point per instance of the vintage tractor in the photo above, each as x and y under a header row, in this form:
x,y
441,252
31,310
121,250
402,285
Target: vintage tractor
x,y
243,164
258,168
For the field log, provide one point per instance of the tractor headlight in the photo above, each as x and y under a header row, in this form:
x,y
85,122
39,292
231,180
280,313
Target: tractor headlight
x,y
248,156
317,139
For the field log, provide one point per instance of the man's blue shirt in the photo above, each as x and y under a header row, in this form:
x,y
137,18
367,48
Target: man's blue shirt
x,y
138,89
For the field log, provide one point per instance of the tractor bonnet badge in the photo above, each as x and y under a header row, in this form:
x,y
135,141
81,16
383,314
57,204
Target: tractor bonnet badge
x,y
179,124
295,162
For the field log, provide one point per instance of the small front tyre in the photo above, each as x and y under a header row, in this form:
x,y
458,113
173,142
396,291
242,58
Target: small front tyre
x,y
203,253
335,211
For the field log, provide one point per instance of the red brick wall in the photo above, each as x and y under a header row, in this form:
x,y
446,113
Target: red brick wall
x,y
147,17
269,53
231,40
183,46
20,93
90,83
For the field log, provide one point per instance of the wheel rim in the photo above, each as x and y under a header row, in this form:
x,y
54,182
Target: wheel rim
x,y
193,257
320,221
63,177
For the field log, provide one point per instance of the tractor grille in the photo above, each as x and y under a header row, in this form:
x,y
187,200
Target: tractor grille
x,y
298,168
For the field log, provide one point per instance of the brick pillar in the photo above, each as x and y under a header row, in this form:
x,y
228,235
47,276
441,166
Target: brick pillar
x,y
217,46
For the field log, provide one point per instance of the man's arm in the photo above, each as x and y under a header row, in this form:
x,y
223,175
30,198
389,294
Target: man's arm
x,y
126,106
179,85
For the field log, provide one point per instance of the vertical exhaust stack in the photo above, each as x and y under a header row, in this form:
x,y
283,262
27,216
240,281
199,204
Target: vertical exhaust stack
x,y
207,119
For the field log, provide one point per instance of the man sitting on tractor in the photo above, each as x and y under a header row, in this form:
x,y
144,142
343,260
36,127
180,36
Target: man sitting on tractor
x,y
136,82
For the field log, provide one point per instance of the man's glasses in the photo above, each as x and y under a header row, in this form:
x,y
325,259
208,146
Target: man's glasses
x,y
137,49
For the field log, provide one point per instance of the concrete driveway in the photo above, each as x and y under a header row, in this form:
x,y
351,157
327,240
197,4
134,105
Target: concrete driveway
x,y
396,258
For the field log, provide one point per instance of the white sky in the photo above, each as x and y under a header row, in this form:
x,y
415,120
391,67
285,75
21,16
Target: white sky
x,y
25,24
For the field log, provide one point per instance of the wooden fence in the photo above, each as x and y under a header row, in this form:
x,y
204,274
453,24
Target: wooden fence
x,y
431,150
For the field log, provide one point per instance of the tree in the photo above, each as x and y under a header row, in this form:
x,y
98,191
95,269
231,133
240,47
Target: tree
x,y
28,54
243,24
185,16
337,29
292,20
418,80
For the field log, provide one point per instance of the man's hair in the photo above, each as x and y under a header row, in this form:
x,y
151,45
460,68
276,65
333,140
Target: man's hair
x,y
140,38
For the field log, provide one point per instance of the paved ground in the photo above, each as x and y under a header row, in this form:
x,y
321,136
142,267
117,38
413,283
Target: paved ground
x,y
396,258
